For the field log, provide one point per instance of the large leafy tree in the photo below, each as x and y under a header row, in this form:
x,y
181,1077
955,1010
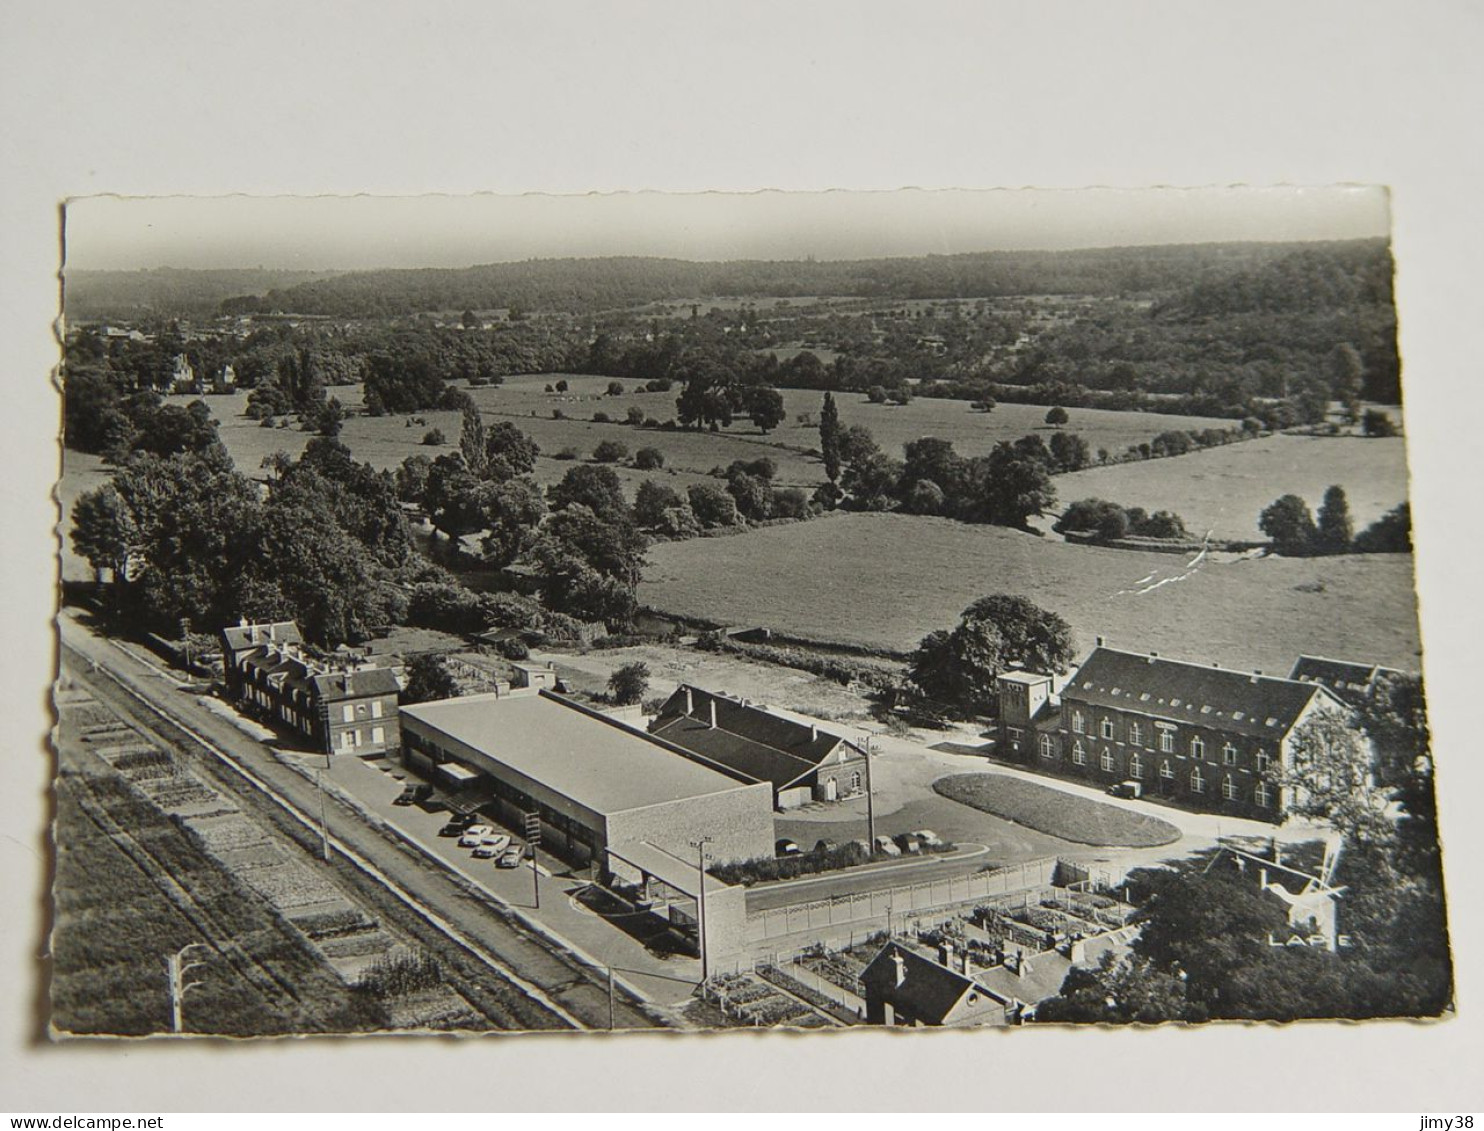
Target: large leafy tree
x,y
1288,522
959,667
597,488
765,407
429,678
510,512
1330,772
1335,530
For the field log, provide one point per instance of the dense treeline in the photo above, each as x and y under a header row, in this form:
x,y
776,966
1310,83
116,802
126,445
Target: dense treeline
x,y
591,285
167,291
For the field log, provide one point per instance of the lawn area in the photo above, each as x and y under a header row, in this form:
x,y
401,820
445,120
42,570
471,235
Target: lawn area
x,y
885,580
1225,489
1064,815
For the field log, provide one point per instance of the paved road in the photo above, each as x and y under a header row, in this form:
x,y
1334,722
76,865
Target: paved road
x,y
578,990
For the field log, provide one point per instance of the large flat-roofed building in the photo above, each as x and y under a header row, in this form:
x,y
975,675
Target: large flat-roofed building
x,y
596,783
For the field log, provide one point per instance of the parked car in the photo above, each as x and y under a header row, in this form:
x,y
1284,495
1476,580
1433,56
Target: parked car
x,y
824,846
863,845
887,847
928,838
491,847
474,835
1127,789
511,857
786,848
908,843
458,826
412,794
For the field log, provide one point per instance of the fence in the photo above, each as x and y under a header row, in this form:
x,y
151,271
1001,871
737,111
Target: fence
x,y
829,918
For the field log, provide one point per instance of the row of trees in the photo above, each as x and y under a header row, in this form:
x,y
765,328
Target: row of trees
x,y
1295,532
1110,521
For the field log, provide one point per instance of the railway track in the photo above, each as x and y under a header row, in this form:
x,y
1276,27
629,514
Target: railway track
x,y
479,939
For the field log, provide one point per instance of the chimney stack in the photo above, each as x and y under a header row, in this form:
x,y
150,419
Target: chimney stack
x,y
813,733
713,714
1100,641
901,964
689,703
945,953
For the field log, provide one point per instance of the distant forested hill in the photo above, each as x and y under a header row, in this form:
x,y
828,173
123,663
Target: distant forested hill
x,y
167,292
1194,277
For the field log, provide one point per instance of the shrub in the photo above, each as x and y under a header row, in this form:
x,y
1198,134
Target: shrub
x,y
601,418
629,683
514,649
610,451
567,454
561,386
649,459
558,414
635,417
434,438
658,385
615,388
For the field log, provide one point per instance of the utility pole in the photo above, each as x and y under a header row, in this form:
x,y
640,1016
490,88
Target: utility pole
x,y
175,971
324,832
533,838
700,847
870,798
611,1025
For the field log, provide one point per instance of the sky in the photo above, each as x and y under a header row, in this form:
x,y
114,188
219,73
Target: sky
x,y
366,232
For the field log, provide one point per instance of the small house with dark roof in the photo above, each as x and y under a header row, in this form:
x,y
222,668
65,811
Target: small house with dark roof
x,y
800,761
907,988
1350,681
1201,734
339,703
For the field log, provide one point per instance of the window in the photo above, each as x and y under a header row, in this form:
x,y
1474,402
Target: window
x,y
358,735
1229,754
1135,735
1197,782
855,782
1197,747
345,740
1167,742
1107,760
1135,766
348,713
376,709
1164,769
1047,749
1076,722
1107,728
378,734
1229,788
1079,755
1262,761
1262,795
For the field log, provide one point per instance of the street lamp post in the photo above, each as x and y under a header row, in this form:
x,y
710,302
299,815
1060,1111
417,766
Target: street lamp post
x,y
700,847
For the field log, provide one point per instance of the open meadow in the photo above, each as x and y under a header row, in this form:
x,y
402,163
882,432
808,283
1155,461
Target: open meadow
x,y
384,442
883,581
1224,490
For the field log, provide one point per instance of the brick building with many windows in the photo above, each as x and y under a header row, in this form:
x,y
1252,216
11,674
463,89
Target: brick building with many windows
x,y
339,704
1200,734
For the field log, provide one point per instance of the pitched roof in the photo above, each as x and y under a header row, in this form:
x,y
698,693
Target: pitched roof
x,y
240,636
1351,681
747,740
332,686
1255,705
929,991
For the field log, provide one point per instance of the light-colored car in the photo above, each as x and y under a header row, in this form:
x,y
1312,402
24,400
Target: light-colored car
x,y
511,857
491,846
887,847
929,838
474,835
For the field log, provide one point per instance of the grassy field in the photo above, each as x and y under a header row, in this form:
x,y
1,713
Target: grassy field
x,y
1225,489
1050,811
885,580
384,442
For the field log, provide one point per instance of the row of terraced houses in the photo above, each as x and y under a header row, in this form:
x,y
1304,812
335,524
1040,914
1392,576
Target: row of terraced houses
x,y
1204,735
